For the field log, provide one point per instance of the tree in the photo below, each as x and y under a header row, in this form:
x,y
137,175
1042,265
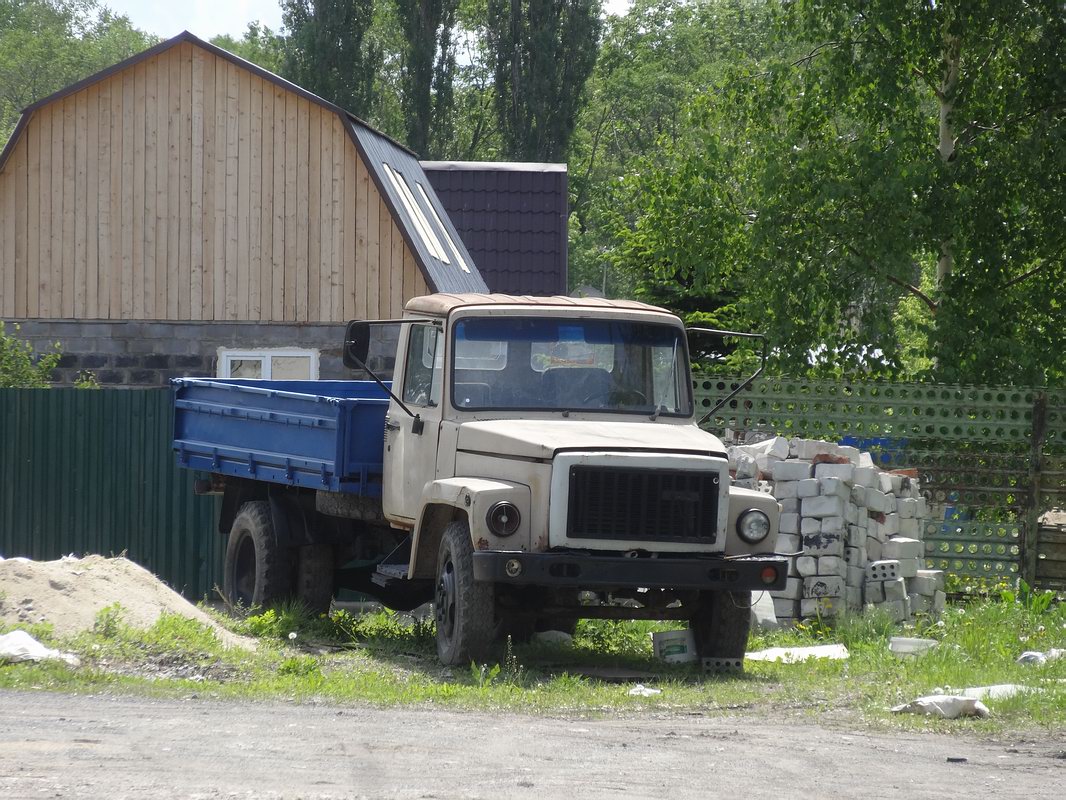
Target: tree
x,y
542,51
48,44
892,190
329,51
428,72
260,45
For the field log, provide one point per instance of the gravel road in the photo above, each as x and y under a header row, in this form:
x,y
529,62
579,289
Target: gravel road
x,y
54,745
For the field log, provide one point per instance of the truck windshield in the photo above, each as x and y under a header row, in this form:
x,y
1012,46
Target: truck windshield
x,y
568,364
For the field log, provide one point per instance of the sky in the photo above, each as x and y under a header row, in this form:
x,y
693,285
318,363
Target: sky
x,y
209,18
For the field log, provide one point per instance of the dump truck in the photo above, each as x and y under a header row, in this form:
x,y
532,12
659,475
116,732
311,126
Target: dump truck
x,y
532,462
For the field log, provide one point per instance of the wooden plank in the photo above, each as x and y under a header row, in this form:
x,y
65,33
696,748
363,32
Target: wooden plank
x,y
126,189
54,232
115,280
7,238
92,207
44,231
314,214
138,181
22,272
355,205
184,58
404,289
374,274
221,117
173,62
277,302
207,223
196,187
336,283
150,251
158,300
70,134
266,273
186,187
410,270
33,220
324,234
255,198
390,275
81,201
244,192
106,224
303,113
1050,569
291,205
232,164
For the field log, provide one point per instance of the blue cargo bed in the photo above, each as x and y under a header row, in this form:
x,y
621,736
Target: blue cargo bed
x,y
317,434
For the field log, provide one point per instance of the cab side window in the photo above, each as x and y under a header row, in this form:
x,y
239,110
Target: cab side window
x,y
424,366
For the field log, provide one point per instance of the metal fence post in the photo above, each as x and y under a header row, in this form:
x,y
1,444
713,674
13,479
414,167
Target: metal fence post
x,y
1030,547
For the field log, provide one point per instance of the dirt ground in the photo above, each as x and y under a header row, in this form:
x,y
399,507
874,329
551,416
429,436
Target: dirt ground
x,y
66,746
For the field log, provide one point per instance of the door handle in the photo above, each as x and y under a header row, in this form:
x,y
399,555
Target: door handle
x,y
391,426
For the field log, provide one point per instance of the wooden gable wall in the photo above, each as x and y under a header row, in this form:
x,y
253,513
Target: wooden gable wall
x,y
185,187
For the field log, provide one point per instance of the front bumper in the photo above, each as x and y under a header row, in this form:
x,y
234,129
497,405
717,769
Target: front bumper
x,y
616,572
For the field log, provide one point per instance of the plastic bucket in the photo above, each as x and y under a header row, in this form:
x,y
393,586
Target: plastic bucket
x,y
674,647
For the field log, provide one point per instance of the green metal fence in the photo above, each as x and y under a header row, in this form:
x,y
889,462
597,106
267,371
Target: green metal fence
x,y
85,471
991,459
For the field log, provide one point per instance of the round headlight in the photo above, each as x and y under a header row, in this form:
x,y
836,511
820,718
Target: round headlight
x,y
503,518
753,526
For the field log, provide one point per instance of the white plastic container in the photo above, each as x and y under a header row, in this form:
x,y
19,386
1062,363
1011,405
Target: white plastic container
x,y
674,647
906,647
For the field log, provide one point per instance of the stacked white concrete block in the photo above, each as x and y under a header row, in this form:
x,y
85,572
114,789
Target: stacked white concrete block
x,y
840,516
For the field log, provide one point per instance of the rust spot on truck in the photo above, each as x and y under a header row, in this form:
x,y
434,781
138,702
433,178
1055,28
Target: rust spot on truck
x,y
482,543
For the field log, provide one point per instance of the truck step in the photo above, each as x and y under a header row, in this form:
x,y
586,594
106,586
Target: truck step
x,y
389,572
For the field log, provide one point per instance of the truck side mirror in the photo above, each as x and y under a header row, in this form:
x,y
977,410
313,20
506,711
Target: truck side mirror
x,y
356,344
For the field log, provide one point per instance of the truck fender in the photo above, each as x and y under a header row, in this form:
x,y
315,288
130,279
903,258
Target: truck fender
x,y
740,500
455,498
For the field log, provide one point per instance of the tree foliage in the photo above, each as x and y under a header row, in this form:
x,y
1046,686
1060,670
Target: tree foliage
x,y
428,72
330,51
48,44
543,51
259,44
885,193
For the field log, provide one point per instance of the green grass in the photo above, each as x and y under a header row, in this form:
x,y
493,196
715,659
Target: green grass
x,y
389,659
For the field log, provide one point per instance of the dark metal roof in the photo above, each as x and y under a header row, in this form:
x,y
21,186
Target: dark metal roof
x,y
425,223
512,218
374,147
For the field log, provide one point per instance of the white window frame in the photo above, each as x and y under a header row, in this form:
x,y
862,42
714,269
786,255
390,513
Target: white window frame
x,y
227,355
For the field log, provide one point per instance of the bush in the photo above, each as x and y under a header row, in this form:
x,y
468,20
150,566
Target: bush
x,y
19,369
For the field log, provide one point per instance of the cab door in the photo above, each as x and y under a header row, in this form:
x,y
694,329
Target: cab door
x,y
411,441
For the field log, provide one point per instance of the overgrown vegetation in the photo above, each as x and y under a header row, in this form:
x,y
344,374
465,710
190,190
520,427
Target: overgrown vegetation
x,y
20,368
386,658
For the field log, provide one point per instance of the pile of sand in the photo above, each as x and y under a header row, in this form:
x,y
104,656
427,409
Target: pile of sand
x,y
70,592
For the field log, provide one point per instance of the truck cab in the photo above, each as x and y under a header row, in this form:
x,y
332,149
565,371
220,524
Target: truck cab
x,y
543,456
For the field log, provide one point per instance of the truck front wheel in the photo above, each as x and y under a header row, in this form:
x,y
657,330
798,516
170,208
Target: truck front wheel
x,y
463,609
258,571
721,623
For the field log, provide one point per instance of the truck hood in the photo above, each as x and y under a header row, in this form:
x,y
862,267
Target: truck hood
x,y
544,438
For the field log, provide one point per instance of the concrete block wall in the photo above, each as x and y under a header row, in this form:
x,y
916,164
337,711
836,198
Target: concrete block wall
x,y
139,354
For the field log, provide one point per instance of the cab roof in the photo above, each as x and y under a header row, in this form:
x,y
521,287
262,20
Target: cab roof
x,y
442,304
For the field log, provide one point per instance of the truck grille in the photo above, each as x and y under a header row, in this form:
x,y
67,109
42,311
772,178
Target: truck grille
x,y
642,504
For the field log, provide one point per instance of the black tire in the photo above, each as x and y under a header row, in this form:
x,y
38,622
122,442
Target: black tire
x,y
721,624
463,609
314,577
258,571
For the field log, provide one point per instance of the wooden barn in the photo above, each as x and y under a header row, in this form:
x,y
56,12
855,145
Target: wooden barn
x,y
187,212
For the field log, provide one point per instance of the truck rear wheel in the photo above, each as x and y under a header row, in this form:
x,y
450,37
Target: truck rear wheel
x,y
463,609
258,571
721,623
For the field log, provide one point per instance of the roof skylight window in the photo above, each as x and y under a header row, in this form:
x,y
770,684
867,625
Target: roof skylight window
x,y
429,239
447,237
